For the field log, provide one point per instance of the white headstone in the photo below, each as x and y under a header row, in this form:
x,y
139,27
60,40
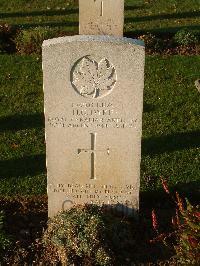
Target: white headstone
x,y
101,17
93,88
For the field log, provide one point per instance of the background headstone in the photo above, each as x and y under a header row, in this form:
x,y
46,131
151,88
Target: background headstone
x,y
101,17
93,88
197,84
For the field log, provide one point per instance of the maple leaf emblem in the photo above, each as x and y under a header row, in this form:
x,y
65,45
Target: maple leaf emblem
x,y
94,79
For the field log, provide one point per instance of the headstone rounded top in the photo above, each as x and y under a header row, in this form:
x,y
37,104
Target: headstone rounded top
x,y
93,38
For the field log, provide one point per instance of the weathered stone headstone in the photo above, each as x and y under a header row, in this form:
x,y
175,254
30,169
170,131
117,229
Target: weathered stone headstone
x,y
93,88
101,17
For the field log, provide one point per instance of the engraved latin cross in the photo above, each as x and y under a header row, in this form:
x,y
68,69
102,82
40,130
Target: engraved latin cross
x,y
93,152
101,8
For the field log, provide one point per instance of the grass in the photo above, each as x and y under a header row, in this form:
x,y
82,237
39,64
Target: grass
x,y
171,124
140,15
171,128
22,159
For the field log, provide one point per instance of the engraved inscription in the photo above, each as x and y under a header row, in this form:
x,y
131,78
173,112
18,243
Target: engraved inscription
x,y
92,79
94,115
105,27
92,122
93,152
96,193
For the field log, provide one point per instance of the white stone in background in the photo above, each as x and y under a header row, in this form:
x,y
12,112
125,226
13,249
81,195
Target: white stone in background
x,y
101,17
197,84
93,88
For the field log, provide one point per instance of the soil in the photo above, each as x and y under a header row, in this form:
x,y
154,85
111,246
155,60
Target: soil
x,y
164,44
177,50
26,220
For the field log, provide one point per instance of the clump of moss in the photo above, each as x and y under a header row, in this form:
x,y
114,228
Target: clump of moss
x,y
86,235
186,37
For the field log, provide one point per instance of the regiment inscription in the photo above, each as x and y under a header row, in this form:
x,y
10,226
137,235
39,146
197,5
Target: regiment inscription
x,y
94,115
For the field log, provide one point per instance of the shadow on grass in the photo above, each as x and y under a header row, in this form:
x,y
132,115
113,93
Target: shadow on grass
x,y
39,13
54,12
190,190
170,143
160,199
26,166
20,122
164,16
48,24
148,108
129,8
127,20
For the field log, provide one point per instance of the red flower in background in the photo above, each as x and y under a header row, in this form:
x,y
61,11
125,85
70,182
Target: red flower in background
x,y
197,215
165,185
193,241
154,220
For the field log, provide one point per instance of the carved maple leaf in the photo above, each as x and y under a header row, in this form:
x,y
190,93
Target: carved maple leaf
x,y
94,79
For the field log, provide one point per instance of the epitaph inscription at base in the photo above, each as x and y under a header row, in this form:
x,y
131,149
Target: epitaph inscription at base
x,y
93,90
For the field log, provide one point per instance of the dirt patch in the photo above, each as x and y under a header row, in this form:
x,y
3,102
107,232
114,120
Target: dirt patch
x,y
26,217
26,220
